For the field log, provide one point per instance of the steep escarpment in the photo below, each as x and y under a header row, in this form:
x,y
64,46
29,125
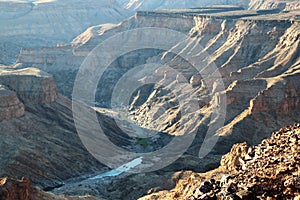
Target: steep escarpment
x,y
71,57
254,54
39,136
277,70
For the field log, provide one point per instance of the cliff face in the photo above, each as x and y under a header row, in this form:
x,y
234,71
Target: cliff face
x,y
31,85
21,86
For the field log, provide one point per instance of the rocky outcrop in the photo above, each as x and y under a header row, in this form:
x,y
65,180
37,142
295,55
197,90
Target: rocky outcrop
x,y
11,189
24,86
31,85
269,170
10,105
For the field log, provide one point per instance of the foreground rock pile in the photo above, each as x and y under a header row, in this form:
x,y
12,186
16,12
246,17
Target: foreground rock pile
x,y
11,189
270,170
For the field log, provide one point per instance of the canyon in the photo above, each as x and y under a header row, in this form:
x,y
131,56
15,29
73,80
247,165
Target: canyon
x,y
239,86
256,54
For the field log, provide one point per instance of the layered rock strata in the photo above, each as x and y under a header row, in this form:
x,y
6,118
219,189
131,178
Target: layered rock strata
x,y
31,85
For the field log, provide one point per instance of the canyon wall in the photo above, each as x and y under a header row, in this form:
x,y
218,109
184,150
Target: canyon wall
x,y
21,86
257,55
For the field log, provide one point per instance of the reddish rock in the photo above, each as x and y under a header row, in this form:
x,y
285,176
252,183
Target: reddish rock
x,y
11,189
